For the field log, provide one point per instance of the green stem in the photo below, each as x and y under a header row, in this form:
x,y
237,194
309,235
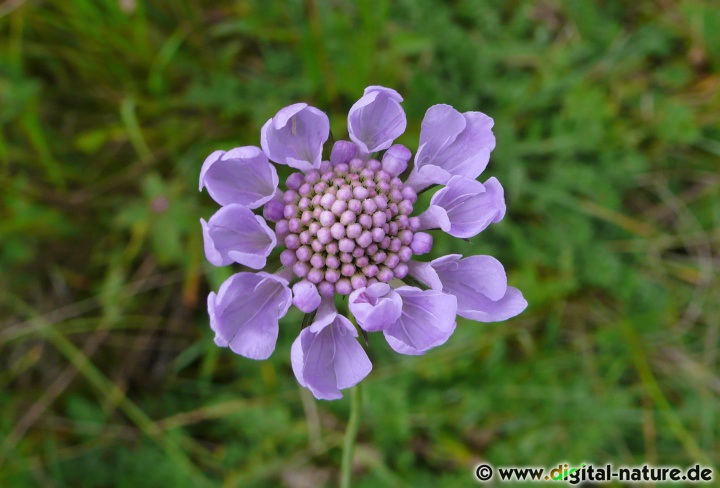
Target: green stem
x,y
350,436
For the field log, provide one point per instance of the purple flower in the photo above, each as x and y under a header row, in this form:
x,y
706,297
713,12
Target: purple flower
x,y
243,175
245,313
465,207
350,226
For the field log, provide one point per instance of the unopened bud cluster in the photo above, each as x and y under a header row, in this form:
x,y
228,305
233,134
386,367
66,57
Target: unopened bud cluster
x,y
348,226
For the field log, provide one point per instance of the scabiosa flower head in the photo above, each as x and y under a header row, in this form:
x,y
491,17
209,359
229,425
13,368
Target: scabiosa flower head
x,y
348,226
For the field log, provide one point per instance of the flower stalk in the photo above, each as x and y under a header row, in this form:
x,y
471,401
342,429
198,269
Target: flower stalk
x,y
351,431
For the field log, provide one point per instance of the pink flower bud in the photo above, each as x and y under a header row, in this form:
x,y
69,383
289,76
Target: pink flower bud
x,y
294,225
332,275
327,200
332,262
405,254
365,239
354,230
343,286
395,159
392,260
370,271
312,176
324,235
346,245
355,206
422,243
303,254
332,248
317,261
373,165
385,274
326,289
301,269
347,217
365,221
327,218
287,257
358,281
292,241
294,181
337,230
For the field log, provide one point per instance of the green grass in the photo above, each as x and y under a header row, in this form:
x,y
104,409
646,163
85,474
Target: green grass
x,y
607,116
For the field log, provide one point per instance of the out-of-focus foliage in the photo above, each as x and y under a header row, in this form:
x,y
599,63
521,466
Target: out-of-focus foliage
x,y
607,116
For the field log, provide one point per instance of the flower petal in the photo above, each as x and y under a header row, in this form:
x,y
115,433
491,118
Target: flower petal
x,y
435,217
425,273
427,320
486,310
421,178
351,361
388,92
440,127
496,197
235,234
482,274
295,136
297,359
459,147
326,313
375,307
242,175
465,207
328,358
245,313
318,371
480,285
377,119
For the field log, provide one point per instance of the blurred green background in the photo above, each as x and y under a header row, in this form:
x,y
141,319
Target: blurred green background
x,y
607,116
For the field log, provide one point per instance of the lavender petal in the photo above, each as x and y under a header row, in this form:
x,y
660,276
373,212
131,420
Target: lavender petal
x,y
453,146
427,320
295,136
376,119
242,175
465,207
235,234
245,312
375,307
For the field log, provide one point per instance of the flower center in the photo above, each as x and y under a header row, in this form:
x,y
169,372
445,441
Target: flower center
x,y
347,226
